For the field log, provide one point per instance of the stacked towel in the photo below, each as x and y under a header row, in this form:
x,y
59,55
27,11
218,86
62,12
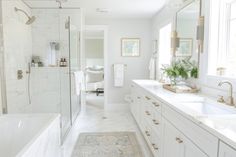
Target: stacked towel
x,y
119,75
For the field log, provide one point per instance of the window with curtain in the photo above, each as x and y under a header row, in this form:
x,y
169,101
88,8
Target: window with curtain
x,y
222,40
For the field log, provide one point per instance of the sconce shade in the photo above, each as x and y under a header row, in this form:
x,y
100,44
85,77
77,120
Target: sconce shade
x,y
200,32
174,42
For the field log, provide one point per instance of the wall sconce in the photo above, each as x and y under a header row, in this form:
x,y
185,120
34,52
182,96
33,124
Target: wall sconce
x,y
200,33
174,42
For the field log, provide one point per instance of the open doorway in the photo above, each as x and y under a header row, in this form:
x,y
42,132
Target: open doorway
x,y
95,67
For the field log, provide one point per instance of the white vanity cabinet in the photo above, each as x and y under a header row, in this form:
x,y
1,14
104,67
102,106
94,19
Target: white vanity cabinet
x,y
167,132
147,112
135,104
226,151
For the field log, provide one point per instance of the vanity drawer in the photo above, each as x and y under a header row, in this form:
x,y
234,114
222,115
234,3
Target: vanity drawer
x,y
153,141
147,112
156,123
151,101
155,145
200,137
146,131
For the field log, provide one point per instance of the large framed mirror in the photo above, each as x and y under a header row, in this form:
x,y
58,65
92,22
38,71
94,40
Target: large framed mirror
x,y
187,29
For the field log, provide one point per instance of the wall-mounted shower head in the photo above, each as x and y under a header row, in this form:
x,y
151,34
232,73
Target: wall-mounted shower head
x,y
60,3
30,20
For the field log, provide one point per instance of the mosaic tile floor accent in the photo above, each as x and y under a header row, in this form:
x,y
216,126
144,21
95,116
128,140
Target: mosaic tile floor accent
x,y
107,144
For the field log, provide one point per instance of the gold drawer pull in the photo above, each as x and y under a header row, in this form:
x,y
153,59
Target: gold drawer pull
x,y
155,104
147,113
155,122
147,133
147,98
154,146
179,140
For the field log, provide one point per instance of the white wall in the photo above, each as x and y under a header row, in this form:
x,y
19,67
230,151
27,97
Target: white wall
x,y
94,48
17,53
208,84
137,67
94,52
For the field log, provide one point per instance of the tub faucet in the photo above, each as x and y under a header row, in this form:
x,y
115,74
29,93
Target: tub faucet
x,y
230,100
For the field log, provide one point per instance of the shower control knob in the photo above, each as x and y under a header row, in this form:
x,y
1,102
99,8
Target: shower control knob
x,y
19,74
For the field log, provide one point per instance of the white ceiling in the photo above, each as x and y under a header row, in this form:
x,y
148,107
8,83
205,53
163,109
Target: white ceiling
x,y
117,8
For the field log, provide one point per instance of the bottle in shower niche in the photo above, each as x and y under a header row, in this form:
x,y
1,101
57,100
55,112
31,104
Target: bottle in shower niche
x,y
61,62
65,62
32,63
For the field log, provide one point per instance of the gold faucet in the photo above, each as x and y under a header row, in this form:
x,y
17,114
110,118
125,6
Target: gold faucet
x,y
230,100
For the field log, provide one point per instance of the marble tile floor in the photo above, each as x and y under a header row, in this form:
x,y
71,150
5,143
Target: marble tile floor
x,y
94,119
95,101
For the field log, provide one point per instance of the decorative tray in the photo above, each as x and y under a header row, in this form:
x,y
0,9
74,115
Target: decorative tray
x,y
180,89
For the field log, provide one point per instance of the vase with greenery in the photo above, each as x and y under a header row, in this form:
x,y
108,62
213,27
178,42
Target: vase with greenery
x,y
180,70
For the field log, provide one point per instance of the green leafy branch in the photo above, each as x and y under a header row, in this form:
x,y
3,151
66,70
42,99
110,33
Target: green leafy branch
x,y
181,69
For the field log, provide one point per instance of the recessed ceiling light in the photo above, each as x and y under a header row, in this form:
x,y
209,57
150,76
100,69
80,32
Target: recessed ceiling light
x,y
102,10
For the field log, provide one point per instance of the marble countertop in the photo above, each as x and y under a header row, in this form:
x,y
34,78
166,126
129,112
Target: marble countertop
x,y
221,125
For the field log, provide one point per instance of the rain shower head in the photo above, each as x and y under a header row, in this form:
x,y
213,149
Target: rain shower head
x,y
30,20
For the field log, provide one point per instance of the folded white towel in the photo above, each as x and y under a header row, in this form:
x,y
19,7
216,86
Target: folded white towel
x,y
119,75
79,82
152,69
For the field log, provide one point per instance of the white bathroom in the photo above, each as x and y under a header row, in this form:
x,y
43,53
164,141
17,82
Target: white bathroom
x,y
128,78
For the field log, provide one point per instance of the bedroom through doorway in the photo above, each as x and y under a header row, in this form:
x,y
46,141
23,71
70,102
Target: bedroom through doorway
x,y
94,73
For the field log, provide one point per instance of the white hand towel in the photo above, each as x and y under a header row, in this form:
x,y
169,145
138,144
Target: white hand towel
x,y
119,75
79,81
152,69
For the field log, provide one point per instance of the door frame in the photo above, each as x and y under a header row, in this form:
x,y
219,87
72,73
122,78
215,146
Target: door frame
x,y
103,28
3,92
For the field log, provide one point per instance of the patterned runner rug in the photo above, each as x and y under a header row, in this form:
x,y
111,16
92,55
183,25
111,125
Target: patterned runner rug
x,y
112,144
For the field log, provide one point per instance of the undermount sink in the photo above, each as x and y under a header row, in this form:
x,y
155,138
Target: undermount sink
x,y
207,108
225,124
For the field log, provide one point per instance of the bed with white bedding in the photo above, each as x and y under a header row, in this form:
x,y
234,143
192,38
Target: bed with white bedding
x,y
94,79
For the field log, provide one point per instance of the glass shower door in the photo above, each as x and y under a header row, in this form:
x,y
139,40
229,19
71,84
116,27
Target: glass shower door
x,y
74,40
70,104
65,75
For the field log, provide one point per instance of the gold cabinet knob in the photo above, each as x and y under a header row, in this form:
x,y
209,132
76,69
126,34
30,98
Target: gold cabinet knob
x,y
155,104
154,146
147,133
179,140
147,113
147,98
155,122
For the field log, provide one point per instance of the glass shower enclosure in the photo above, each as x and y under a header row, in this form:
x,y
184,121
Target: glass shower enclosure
x,y
46,58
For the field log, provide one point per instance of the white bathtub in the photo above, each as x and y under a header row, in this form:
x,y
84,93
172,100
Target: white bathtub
x,y
30,135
